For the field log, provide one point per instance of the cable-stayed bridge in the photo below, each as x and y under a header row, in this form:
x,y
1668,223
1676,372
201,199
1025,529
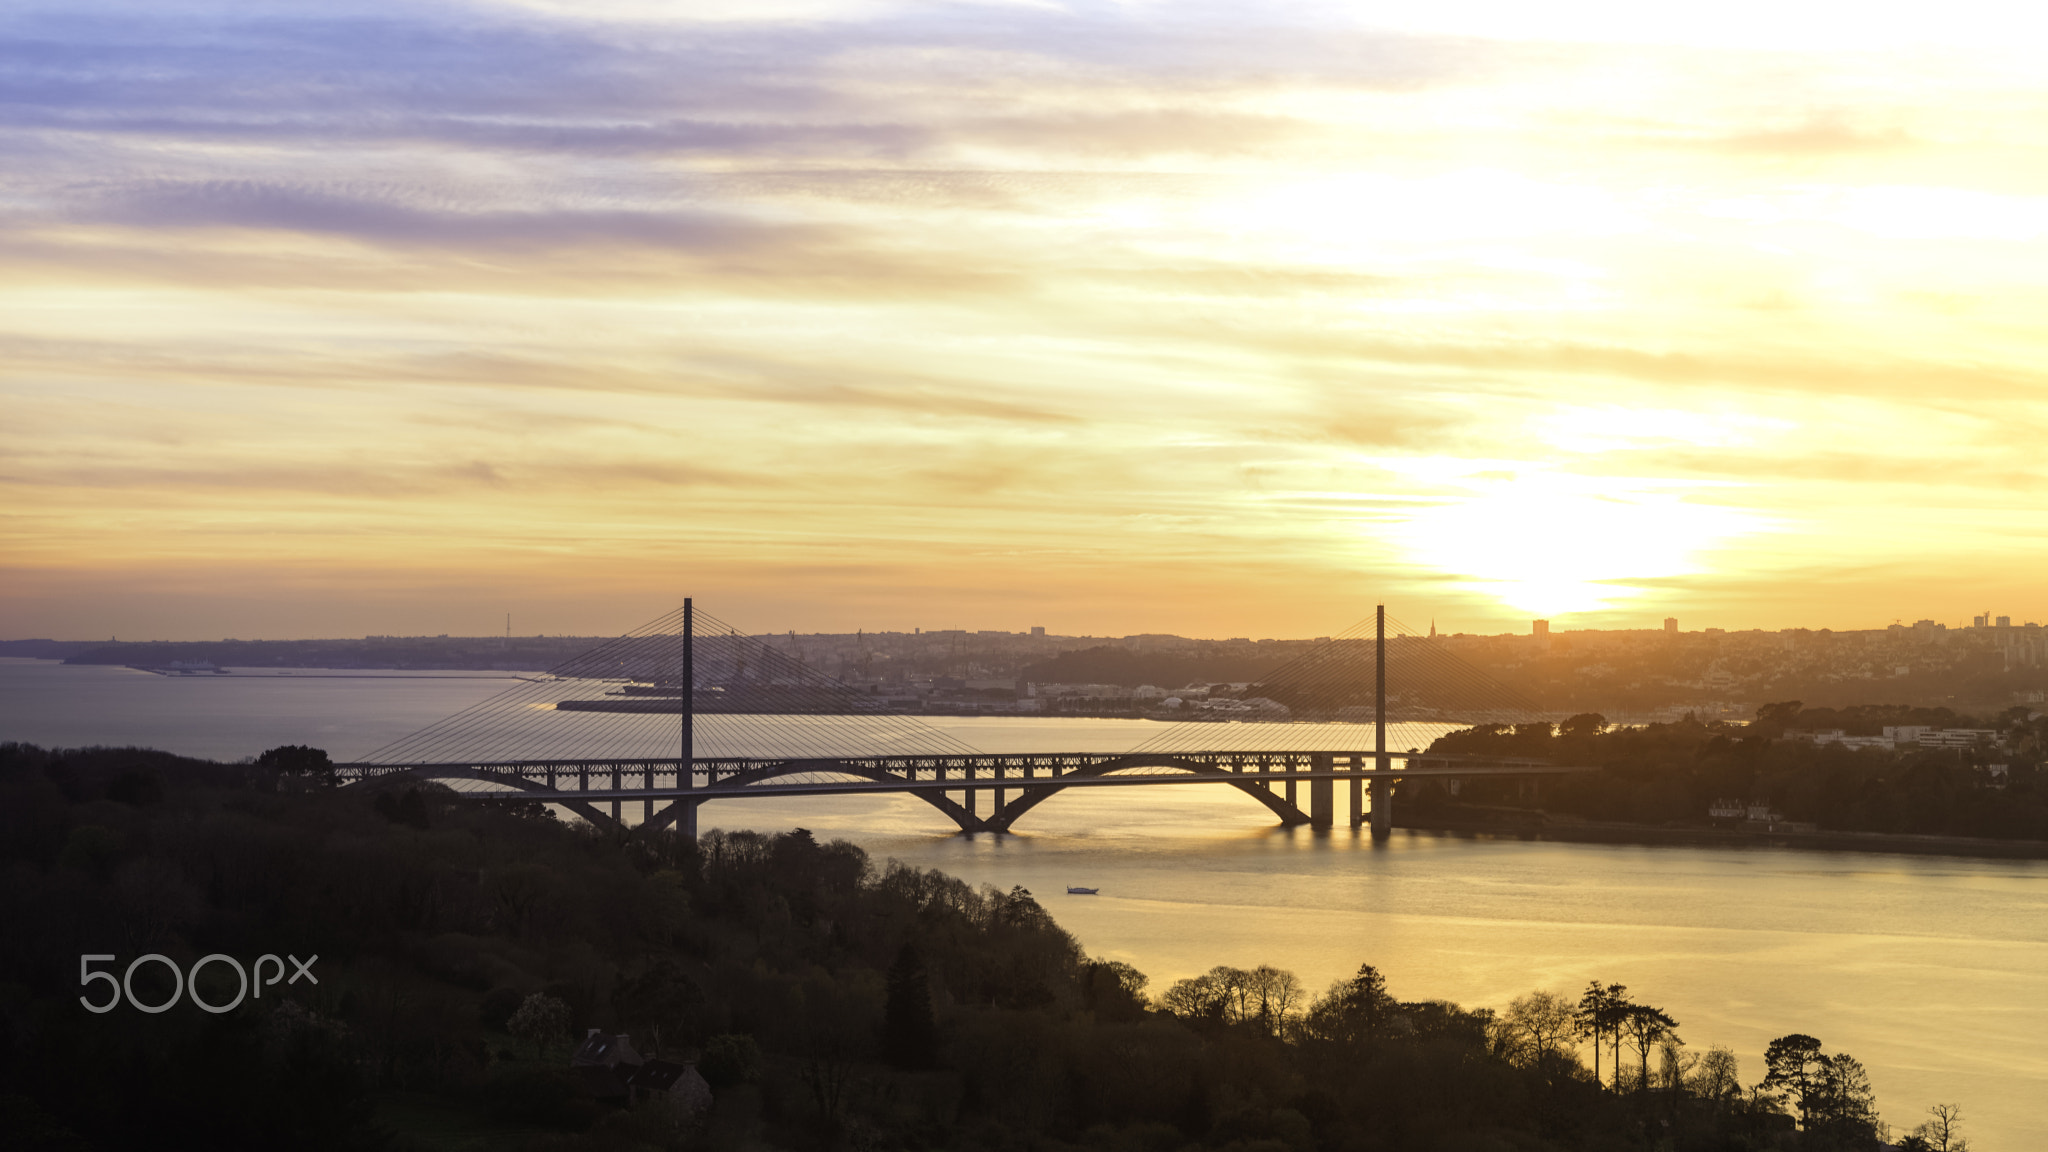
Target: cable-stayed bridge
x,y
687,709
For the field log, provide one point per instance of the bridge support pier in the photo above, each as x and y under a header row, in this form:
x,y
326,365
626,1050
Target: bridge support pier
x,y
1382,808
1322,800
686,819
1357,792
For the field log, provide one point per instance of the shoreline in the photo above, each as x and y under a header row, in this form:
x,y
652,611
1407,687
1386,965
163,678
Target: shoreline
x,y
1615,832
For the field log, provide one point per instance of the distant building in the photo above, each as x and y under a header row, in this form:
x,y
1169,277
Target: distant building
x,y
1038,630
679,1086
1838,736
604,1050
1539,627
1671,625
1957,737
603,1063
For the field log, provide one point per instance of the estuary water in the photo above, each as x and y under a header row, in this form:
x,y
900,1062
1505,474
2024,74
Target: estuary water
x,y
1931,970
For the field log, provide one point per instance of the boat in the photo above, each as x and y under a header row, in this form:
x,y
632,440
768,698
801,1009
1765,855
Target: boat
x,y
1073,891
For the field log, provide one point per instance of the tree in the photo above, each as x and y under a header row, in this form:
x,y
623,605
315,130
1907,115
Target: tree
x,y
1597,1015
1646,1027
1355,1010
1584,724
729,1059
1271,997
909,1035
409,809
1538,1026
540,1019
1847,1105
1195,998
299,762
662,999
1113,990
1777,717
1940,1132
1794,1064
1717,1076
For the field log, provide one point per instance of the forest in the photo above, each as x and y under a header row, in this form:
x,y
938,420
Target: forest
x,y
1669,774
459,952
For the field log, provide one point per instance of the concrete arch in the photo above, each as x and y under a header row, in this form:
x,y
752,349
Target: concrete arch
x,y
1034,794
538,791
737,785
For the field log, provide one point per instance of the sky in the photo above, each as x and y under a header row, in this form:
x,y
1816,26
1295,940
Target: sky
x,y
1219,319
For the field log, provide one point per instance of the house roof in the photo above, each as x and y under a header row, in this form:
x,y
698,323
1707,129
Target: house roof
x,y
657,1075
602,1082
604,1048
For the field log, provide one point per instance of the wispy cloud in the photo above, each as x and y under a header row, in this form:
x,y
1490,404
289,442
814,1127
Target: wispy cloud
x,y
974,296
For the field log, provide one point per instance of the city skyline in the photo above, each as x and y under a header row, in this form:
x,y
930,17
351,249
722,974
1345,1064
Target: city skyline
x,y
363,318
1487,626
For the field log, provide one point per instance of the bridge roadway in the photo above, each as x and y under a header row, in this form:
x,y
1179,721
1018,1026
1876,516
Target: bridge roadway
x,y
1017,783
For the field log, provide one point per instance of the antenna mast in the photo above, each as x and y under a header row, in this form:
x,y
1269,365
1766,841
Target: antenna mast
x,y
686,759
1382,788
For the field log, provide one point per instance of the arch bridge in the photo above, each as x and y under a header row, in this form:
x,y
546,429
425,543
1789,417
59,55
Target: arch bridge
x,y
958,785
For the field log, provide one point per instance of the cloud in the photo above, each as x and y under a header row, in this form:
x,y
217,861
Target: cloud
x,y
393,217
1813,138
976,296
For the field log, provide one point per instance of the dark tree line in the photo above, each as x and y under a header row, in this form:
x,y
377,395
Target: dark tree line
x,y
1671,773
830,1003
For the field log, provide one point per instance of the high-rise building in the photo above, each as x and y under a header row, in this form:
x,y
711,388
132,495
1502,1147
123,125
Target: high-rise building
x,y
1539,627
1671,625
1037,631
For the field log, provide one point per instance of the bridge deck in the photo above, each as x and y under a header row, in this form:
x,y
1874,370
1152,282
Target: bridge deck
x,y
776,787
1017,782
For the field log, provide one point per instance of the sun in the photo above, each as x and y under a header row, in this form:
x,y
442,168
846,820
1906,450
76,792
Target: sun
x,y
1553,543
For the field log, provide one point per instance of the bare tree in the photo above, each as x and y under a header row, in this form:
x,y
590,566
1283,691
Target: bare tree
x,y
1194,998
1222,995
1717,1076
1538,1026
1941,1131
1273,996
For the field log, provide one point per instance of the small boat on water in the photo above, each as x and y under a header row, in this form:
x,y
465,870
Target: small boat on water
x,y
1073,891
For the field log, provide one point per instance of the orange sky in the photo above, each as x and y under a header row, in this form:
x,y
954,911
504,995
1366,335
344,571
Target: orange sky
x,y
343,319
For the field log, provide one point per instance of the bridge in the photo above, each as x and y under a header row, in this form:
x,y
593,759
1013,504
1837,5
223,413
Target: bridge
x,y
956,785
810,727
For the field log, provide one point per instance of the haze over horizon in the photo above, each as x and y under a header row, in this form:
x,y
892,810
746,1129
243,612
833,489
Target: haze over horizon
x,y
1443,626
363,318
